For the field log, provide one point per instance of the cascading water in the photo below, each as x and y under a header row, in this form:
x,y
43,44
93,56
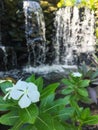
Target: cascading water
x,y
3,48
74,35
74,39
35,32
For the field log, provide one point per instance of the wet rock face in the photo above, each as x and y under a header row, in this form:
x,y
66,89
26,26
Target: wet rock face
x,y
8,58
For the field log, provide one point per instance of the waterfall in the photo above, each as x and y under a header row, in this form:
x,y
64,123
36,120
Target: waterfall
x,y
74,35
35,32
5,60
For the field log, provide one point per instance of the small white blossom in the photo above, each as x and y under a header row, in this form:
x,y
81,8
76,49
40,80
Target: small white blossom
x,y
25,93
76,74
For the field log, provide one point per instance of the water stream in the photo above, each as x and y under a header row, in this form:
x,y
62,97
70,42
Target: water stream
x,y
35,32
74,35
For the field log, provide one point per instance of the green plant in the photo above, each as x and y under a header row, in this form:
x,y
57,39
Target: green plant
x,y
76,87
92,75
42,110
38,114
89,73
76,90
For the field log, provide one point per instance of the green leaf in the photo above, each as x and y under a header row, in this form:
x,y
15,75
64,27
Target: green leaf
x,y
70,126
59,103
31,78
76,107
28,127
67,82
85,113
92,120
65,113
46,122
5,85
39,83
83,99
67,91
94,81
49,90
17,126
62,101
4,105
29,115
89,74
83,69
57,125
9,118
47,102
84,83
95,74
83,92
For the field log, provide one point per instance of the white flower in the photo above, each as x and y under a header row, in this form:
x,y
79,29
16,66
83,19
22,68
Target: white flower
x,y
25,93
76,74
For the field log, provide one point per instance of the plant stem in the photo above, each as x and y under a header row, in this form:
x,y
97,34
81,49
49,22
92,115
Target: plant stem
x,y
80,127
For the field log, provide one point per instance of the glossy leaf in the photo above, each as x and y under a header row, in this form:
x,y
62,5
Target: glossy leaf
x,y
84,83
4,105
17,125
67,91
31,78
46,122
85,113
83,92
65,113
5,85
29,115
47,102
95,74
59,103
39,83
9,118
49,90
92,120
66,82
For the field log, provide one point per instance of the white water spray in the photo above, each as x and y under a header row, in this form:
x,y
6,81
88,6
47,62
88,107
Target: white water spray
x,y
74,34
35,32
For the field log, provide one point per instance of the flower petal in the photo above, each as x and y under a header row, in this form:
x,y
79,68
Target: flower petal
x,y
5,97
32,86
34,96
9,89
24,101
15,94
76,74
21,85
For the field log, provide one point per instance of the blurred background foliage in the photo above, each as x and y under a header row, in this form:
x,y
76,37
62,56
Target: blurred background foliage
x,y
81,3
